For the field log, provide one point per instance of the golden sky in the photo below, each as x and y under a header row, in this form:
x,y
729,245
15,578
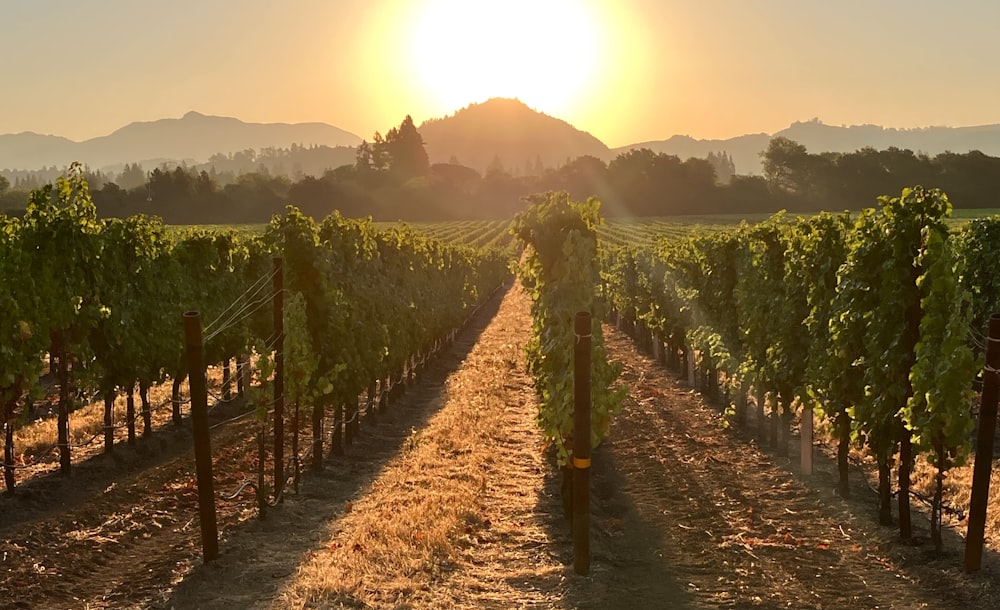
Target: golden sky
x,y
626,70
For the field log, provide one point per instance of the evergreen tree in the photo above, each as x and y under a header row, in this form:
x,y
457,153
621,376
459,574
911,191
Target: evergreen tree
x,y
496,166
132,176
380,153
407,156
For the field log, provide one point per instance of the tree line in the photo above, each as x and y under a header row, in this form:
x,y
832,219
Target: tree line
x,y
391,178
804,181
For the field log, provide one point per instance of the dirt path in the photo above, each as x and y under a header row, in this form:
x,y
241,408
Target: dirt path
x,y
460,517
449,500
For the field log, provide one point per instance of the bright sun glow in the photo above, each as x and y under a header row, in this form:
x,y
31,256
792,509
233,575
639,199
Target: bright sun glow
x,y
543,52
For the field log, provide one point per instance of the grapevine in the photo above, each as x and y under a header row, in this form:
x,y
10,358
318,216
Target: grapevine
x,y
560,272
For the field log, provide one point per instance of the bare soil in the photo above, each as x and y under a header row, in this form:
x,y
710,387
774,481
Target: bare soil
x,y
450,500
741,529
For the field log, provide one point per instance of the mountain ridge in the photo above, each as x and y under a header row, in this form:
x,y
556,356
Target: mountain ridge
x,y
479,135
817,136
194,137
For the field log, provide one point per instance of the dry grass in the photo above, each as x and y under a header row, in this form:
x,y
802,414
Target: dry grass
x,y
452,520
956,490
86,424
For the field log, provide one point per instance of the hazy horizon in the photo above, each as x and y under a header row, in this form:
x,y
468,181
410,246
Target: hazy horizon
x,y
582,128
627,72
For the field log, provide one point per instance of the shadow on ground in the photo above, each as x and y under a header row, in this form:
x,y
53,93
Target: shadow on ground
x,y
259,557
627,568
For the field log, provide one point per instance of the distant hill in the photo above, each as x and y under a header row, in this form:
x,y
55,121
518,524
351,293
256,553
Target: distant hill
x,y
508,130
819,137
192,138
476,136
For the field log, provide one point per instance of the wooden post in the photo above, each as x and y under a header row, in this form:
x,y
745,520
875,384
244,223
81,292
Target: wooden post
x,y
130,414
317,434
337,432
279,379
741,405
806,435
761,417
9,406
227,379
984,450
147,410
355,418
8,451
295,447
350,416
372,401
581,444
109,422
242,375
202,441
62,423
261,450
175,394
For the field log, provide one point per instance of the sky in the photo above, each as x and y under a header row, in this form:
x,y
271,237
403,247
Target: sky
x,y
627,71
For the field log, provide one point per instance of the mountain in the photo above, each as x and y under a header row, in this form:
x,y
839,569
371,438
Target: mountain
x,y
509,131
192,138
477,136
817,137
28,150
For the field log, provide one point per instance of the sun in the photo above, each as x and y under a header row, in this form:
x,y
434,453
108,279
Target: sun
x,y
545,53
